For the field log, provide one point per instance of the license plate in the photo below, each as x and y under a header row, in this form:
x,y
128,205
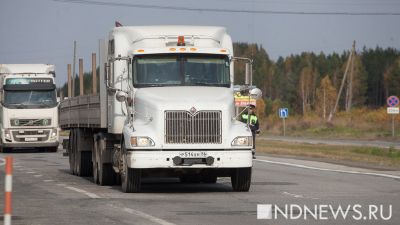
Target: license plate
x,y
195,154
31,139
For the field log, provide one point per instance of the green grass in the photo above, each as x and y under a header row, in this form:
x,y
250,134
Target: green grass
x,y
341,132
372,156
64,133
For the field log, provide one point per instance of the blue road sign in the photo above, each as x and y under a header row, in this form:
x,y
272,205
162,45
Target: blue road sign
x,y
393,101
283,113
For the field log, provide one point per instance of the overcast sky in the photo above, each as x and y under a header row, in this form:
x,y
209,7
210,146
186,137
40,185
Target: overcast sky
x,y
43,31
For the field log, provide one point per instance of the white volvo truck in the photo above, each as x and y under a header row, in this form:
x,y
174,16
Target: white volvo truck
x,y
29,108
165,108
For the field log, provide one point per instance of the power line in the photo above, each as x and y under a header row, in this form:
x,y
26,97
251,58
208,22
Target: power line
x,y
183,8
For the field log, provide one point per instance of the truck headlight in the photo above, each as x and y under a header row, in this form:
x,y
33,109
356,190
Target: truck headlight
x,y
7,134
141,142
54,133
243,141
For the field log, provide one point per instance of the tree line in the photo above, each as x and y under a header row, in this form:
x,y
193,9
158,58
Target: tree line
x,y
310,82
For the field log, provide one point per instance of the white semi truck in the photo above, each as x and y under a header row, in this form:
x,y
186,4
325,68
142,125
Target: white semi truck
x,y
165,108
29,108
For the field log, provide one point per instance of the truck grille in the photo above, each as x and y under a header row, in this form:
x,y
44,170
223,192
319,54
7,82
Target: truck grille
x,y
20,136
202,127
30,122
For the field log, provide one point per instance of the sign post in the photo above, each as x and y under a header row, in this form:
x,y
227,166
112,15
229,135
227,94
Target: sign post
x,y
393,108
283,114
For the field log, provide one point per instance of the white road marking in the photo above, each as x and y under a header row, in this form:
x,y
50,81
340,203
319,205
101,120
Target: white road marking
x,y
37,175
48,180
144,215
30,172
329,170
91,195
293,195
61,185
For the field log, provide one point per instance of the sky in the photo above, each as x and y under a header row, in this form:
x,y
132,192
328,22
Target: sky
x,y
43,31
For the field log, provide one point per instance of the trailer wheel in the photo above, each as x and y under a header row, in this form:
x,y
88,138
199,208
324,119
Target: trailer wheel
x,y
83,158
130,178
71,154
241,179
103,173
94,161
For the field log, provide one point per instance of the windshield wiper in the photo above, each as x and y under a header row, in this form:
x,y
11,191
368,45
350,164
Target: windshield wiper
x,y
20,105
45,104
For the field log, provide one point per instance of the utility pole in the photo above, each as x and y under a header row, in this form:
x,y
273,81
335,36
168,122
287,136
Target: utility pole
x,y
349,94
81,90
342,85
94,74
73,71
69,81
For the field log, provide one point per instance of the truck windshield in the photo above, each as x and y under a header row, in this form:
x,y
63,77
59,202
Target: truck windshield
x,y
30,99
181,70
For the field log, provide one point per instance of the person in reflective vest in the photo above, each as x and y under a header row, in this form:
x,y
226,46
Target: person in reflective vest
x,y
253,124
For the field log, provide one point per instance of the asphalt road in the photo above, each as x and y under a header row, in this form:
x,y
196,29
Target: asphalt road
x,y
46,193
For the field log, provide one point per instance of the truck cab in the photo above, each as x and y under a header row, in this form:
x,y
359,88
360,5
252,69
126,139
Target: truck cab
x,y
28,109
165,109
175,105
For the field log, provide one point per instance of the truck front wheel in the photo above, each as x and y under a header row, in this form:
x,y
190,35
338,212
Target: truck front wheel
x,y
241,179
130,178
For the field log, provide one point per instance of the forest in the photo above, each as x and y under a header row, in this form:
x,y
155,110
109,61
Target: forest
x,y
309,83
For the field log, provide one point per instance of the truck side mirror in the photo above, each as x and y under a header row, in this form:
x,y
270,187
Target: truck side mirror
x,y
121,96
255,93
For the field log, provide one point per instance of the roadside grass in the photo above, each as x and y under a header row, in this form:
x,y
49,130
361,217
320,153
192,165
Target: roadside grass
x,y
361,123
64,133
369,156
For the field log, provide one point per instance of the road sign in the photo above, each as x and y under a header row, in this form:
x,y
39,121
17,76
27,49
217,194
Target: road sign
x,y
243,101
283,113
393,101
393,110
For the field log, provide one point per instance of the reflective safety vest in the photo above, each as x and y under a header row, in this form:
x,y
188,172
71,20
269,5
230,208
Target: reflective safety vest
x,y
253,118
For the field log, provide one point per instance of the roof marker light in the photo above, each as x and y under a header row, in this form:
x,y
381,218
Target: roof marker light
x,y
193,49
172,49
182,49
140,50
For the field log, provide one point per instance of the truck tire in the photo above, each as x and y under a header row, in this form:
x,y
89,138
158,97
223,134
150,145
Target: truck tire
x,y
190,178
53,149
130,178
71,153
103,173
241,179
4,150
94,161
209,178
84,162
83,159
